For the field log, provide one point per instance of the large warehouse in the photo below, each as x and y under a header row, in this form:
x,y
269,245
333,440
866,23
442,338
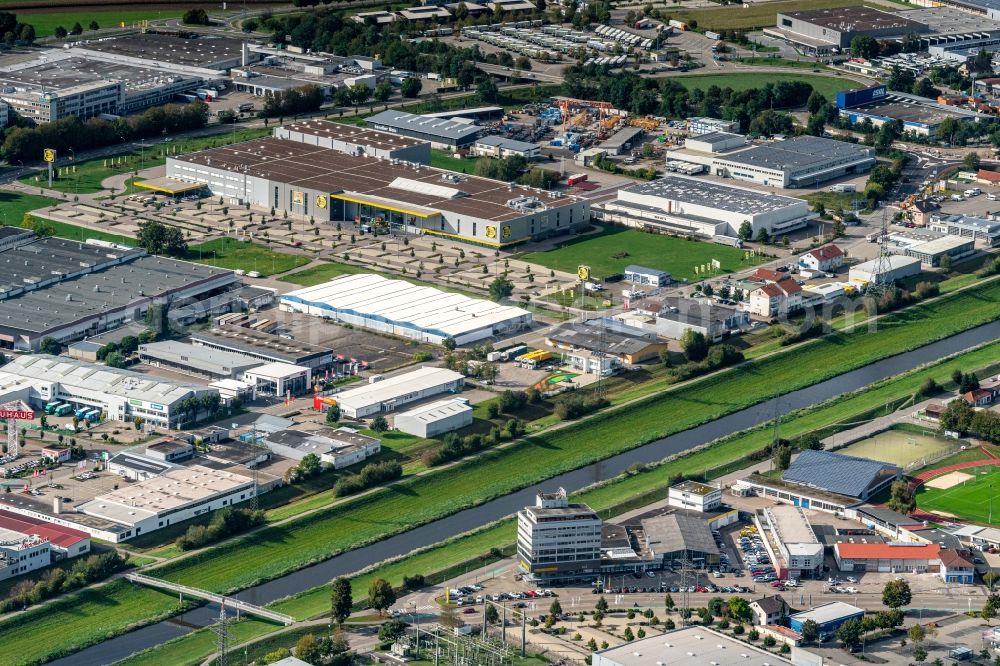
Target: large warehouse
x,y
439,132
392,392
397,307
800,162
66,289
320,183
919,115
121,394
821,31
352,140
703,208
265,347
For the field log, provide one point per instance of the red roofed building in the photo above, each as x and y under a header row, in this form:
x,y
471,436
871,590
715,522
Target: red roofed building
x,y
827,259
65,541
984,177
767,275
888,557
775,298
979,397
957,567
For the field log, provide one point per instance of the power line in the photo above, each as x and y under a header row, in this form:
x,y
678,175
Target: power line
x,y
221,630
880,281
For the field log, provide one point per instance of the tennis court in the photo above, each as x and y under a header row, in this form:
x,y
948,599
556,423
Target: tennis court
x,y
901,447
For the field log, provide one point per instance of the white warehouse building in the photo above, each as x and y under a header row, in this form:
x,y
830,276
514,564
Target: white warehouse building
x,y
397,307
703,208
387,394
435,418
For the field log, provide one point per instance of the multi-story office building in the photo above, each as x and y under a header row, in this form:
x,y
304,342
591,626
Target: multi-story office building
x,y
558,542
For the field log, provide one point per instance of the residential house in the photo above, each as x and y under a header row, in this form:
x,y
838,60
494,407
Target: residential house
x,y
921,210
956,567
979,397
776,298
769,610
826,259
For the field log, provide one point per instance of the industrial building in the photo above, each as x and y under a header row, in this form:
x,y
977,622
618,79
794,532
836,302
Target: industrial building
x,y
339,447
386,395
828,616
930,253
695,496
173,51
712,143
27,544
671,317
357,141
435,418
795,494
397,307
983,230
558,542
439,132
278,379
680,538
803,161
704,125
701,208
824,31
53,287
610,339
623,141
919,115
264,347
894,557
894,267
196,360
121,394
690,646
789,533
319,183
641,275
841,474
501,148
175,495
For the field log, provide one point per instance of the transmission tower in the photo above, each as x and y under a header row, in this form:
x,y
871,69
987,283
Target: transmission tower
x,y
880,281
687,575
221,630
255,474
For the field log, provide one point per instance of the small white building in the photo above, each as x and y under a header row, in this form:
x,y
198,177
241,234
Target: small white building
x,y
695,496
499,147
341,448
234,389
390,393
776,298
827,259
646,276
435,418
704,125
896,267
278,379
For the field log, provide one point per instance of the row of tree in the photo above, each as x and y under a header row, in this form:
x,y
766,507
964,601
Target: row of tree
x,y
58,580
371,475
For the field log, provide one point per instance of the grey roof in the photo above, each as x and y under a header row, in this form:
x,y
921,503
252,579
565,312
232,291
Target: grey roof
x,y
13,232
969,222
717,195
86,345
506,144
887,516
716,137
590,337
676,532
204,359
249,341
772,604
140,463
829,612
940,537
437,127
268,423
835,472
621,137
802,152
635,268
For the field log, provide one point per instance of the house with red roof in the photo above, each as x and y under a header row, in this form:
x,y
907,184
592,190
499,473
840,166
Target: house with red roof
x,y
776,298
957,567
985,177
826,259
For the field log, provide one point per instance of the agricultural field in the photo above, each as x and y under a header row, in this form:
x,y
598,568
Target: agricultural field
x,y
614,248
829,86
45,23
276,550
750,17
965,494
239,255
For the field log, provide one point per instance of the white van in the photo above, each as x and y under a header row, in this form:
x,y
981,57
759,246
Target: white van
x,y
973,192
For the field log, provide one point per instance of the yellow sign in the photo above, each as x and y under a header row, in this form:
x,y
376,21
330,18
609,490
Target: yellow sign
x,y
491,232
49,154
320,201
298,197
506,231
583,272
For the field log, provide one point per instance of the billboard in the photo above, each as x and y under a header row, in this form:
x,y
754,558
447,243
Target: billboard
x,y
848,99
20,414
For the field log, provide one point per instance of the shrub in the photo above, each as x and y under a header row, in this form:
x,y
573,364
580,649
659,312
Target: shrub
x,y
225,522
370,475
577,405
58,581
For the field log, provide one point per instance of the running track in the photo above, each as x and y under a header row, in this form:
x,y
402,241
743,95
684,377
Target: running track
x,y
919,480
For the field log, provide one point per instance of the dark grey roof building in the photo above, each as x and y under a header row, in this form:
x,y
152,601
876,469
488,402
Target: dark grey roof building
x,y
677,536
438,131
841,474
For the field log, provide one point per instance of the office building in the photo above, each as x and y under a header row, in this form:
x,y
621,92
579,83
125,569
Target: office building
x,y
985,231
558,542
789,533
501,148
278,379
195,360
695,496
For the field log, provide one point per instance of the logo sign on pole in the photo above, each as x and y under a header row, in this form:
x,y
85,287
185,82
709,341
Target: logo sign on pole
x,y
583,272
24,415
49,154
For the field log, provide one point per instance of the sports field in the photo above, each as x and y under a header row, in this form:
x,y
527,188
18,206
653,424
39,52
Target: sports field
x,y
829,86
967,499
750,16
901,447
614,248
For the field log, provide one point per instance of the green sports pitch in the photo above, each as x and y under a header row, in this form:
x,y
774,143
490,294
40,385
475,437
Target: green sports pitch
x,y
968,499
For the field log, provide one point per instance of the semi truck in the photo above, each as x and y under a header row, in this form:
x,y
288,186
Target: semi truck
x,y
51,407
64,409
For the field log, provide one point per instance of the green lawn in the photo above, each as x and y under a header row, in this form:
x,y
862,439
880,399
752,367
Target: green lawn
x,y
969,500
737,17
13,206
80,619
780,62
73,232
829,86
321,273
443,159
45,23
614,248
240,255
413,501
193,648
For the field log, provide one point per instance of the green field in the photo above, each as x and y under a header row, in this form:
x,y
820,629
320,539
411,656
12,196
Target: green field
x,y
443,159
614,248
321,273
413,501
45,23
73,232
901,447
829,86
240,255
763,15
13,206
969,500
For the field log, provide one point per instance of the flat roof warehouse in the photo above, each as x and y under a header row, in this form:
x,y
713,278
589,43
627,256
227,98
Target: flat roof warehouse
x,y
717,195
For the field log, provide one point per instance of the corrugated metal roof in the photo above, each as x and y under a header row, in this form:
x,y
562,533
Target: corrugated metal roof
x,y
834,472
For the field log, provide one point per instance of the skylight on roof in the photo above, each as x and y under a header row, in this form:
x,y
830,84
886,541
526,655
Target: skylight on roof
x,y
430,189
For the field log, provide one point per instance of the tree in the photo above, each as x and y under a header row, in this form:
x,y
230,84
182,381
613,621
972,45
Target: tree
x,y
410,87
333,415
342,97
492,615
486,90
360,93
810,440
901,499
115,360
746,231
93,26
307,649
919,654
195,17
739,609
555,608
810,631
341,599
158,238
990,579
896,594
782,457
501,288
602,604
971,161
816,102
850,632
668,602
383,91
989,610
380,595
838,228
77,29
59,32
917,633
379,424
391,630
50,345
628,635
694,344
763,237
864,47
